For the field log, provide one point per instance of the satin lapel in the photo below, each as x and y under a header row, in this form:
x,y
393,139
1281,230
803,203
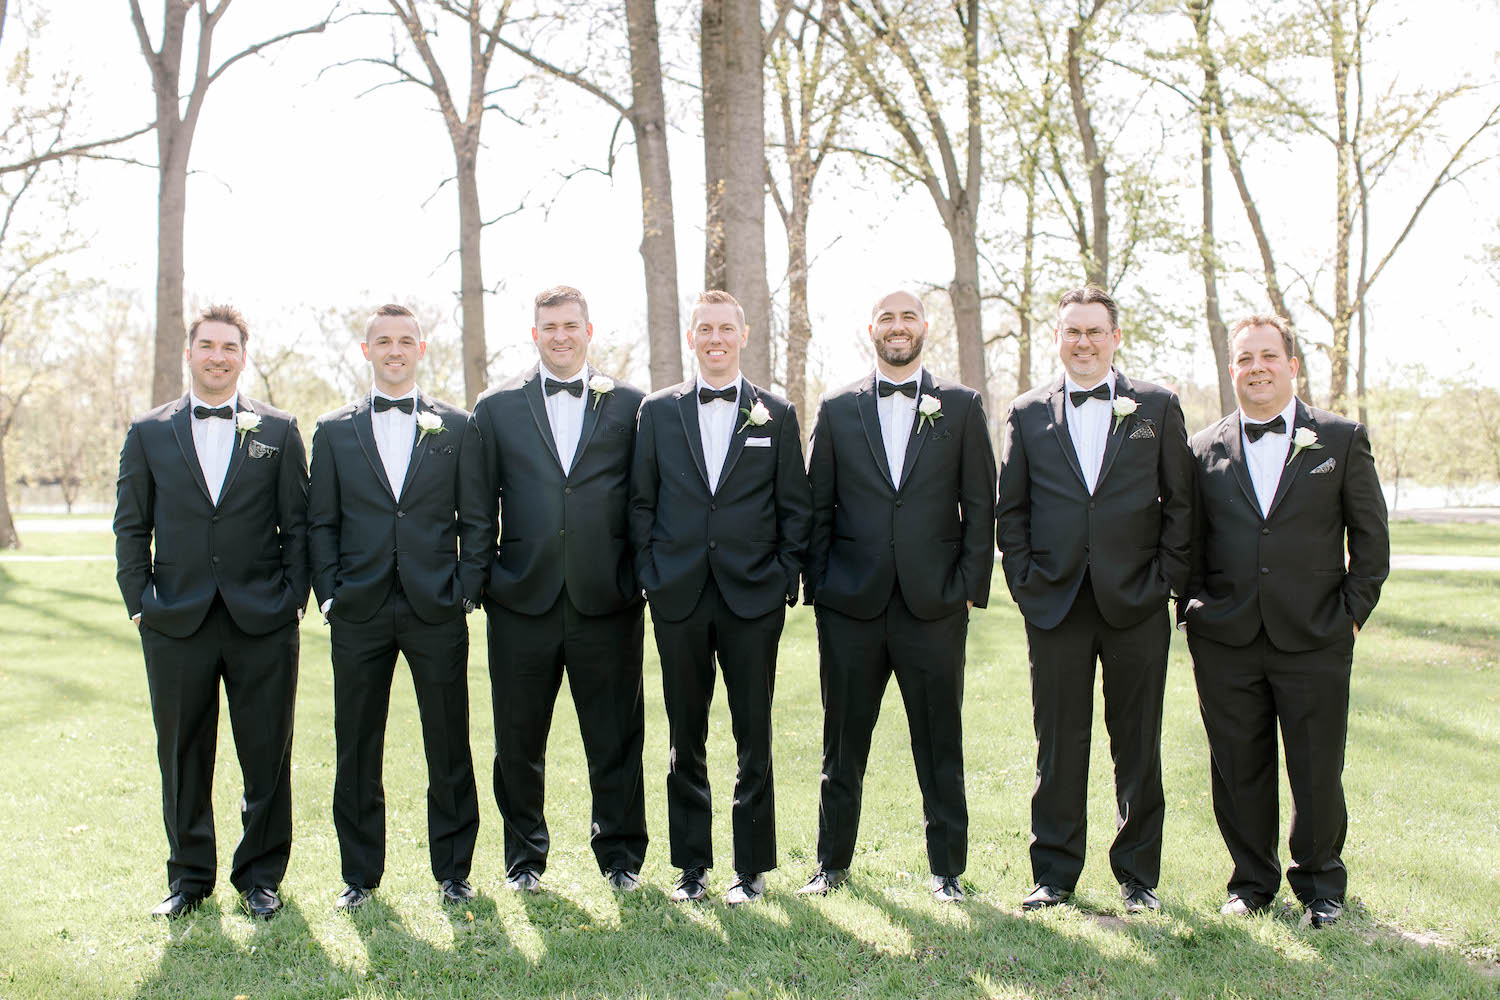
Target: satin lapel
x,y
1289,471
182,427
1118,434
364,430
741,430
1057,401
687,409
237,451
919,434
420,445
591,404
532,390
865,399
1234,444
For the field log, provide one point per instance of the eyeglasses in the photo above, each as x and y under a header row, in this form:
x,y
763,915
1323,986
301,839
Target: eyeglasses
x,y
1094,336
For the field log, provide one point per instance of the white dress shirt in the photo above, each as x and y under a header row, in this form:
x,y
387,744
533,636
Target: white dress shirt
x,y
896,411
716,426
1267,457
1088,426
565,414
395,434
213,440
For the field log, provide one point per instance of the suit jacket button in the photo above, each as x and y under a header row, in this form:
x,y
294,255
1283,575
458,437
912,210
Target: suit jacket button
x,y
900,502
713,545
713,506
1265,531
216,519
1264,571
567,491
400,513
561,532
216,559
1091,505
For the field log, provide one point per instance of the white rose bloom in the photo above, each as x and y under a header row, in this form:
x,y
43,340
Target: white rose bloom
x,y
1124,406
1305,437
246,421
602,383
929,405
759,415
429,422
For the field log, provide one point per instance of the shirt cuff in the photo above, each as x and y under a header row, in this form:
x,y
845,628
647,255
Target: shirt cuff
x,y
325,606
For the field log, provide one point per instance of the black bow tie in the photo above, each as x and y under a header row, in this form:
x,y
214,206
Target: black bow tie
x,y
728,394
1100,391
1257,431
405,405
885,388
553,387
204,412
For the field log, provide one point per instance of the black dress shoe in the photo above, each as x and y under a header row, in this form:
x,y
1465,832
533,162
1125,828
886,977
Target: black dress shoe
x,y
178,904
1241,906
1044,896
524,880
352,898
623,879
692,886
824,881
945,889
456,892
746,888
1324,912
1139,898
261,902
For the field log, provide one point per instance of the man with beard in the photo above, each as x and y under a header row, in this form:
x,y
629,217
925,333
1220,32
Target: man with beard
x,y
903,483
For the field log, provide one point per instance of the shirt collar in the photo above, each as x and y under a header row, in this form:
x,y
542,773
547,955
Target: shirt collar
x,y
915,376
577,376
1109,379
233,402
1288,416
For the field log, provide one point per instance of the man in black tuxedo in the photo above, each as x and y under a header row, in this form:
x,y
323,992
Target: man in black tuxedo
x,y
383,540
1094,523
548,454
719,517
218,481
1272,611
903,481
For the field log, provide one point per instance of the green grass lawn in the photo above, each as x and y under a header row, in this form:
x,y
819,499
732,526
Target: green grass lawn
x,y
1445,539
82,849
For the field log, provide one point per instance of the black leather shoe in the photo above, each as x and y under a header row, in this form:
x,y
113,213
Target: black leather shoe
x,y
1324,912
261,902
623,880
1044,896
1241,906
178,904
456,892
1139,898
945,889
352,898
824,881
692,886
746,888
524,880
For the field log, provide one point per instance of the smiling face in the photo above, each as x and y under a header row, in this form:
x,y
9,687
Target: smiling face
x,y
716,336
1086,341
215,357
562,336
1262,370
394,346
898,329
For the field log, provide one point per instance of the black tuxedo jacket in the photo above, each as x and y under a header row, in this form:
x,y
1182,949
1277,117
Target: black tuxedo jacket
x,y
751,532
555,526
360,538
251,548
1286,571
1132,536
935,534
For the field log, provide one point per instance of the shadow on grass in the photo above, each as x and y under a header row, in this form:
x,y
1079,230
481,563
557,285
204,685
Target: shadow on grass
x,y
1477,636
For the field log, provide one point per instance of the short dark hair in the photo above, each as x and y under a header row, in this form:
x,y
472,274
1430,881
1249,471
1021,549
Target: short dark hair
x,y
717,297
559,295
1090,295
392,309
1281,324
220,314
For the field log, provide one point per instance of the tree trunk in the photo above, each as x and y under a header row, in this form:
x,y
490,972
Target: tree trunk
x,y
1028,281
171,215
1338,355
1208,245
1096,267
964,294
715,139
744,204
799,318
471,275
648,118
8,537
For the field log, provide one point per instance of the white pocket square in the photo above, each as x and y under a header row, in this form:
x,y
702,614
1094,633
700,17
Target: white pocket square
x,y
1326,467
757,442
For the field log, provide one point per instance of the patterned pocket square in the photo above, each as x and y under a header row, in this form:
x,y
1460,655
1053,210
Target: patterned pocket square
x,y
1325,468
258,450
1146,430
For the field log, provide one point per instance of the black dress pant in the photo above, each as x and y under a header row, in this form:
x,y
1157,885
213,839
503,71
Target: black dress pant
x,y
1244,691
856,658
260,683
745,650
602,656
1133,662
364,663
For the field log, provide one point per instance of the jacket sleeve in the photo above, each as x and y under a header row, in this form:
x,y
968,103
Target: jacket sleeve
x,y
644,481
291,520
821,483
976,505
1013,506
323,516
135,514
1368,534
478,507
793,504
1178,499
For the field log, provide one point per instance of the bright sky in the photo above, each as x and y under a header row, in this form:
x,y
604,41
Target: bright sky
x,y
306,196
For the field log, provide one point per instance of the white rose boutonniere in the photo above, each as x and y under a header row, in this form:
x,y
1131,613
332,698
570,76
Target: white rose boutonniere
x,y
1303,437
1123,406
246,422
756,416
929,409
599,385
428,423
